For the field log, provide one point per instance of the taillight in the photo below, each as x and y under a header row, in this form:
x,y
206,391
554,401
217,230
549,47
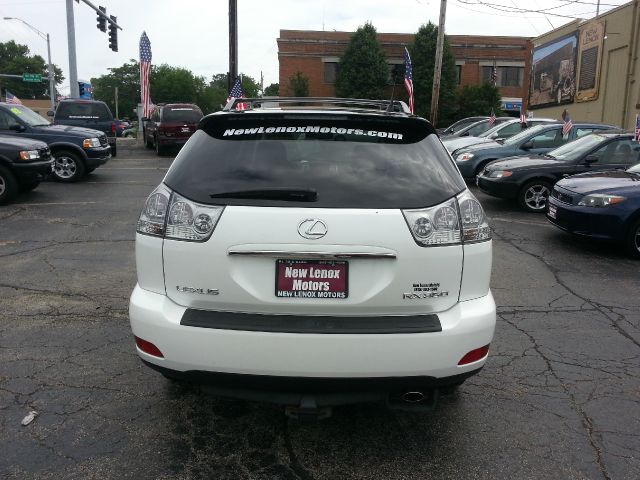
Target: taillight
x,y
170,215
475,226
458,220
113,128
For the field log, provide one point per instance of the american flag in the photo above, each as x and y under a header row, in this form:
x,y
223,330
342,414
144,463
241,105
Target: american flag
x,y
523,116
11,98
637,136
494,74
145,74
492,118
408,77
568,124
237,92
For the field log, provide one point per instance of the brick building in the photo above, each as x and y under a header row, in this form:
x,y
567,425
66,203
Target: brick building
x,y
317,54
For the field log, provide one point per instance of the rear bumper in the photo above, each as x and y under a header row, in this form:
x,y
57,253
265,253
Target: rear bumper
x,y
195,350
173,141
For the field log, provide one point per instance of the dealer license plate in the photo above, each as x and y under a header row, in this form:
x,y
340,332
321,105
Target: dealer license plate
x,y
553,211
312,279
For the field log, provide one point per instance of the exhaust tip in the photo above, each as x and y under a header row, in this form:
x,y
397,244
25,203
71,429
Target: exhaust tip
x,y
413,397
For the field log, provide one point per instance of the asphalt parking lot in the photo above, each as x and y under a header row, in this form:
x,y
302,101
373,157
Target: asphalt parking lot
x,y
559,397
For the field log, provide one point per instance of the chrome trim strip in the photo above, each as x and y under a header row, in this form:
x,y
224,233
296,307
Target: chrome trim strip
x,y
303,255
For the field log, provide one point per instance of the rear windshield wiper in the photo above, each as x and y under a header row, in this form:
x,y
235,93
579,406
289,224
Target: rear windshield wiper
x,y
290,194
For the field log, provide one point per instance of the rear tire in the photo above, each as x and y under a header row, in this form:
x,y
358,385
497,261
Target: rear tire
x,y
68,167
533,196
8,185
633,240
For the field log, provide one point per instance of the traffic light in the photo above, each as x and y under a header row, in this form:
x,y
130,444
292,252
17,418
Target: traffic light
x,y
113,34
102,22
80,89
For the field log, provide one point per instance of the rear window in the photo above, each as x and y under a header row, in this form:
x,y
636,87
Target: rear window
x,y
336,162
83,111
181,114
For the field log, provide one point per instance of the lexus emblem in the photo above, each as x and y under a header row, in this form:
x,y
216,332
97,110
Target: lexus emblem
x,y
312,228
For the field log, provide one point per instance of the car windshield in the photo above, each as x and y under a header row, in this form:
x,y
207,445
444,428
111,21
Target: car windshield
x,y
181,114
516,139
494,129
28,116
331,162
574,150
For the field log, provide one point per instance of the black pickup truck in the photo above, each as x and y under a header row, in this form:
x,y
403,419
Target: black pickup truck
x,y
76,151
88,114
24,162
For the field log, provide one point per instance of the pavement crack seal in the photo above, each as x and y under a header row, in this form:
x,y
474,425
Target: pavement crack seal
x,y
295,465
587,423
554,271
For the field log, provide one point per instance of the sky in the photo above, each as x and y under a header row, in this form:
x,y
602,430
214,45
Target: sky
x,y
193,34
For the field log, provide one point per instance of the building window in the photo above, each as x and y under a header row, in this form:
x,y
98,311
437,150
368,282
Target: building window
x,y
330,72
511,76
507,76
458,74
396,73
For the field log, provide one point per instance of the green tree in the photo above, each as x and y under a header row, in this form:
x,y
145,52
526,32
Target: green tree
x,y
299,84
272,90
479,99
127,79
423,56
363,71
15,59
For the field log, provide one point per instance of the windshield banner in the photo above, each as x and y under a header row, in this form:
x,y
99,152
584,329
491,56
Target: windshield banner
x,y
311,129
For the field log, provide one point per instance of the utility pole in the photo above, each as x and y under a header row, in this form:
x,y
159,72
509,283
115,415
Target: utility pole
x,y
435,93
116,100
71,39
233,43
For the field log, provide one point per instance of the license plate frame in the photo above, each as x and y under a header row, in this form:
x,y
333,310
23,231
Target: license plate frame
x,y
337,289
553,212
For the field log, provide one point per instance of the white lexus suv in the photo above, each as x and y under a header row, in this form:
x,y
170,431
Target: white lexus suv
x,y
314,254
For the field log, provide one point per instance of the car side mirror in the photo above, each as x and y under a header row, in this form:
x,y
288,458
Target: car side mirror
x,y
527,145
17,128
589,159
50,113
500,140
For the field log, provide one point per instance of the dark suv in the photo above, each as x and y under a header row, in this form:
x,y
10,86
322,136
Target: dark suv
x,y
171,125
76,151
24,162
90,114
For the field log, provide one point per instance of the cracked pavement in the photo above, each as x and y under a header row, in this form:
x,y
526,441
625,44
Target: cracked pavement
x,y
558,398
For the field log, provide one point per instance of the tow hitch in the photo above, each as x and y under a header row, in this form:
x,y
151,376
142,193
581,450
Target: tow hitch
x,y
308,411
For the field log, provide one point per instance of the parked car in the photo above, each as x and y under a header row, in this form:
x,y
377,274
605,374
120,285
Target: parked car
x,y
24,163
499,133
529,179
476,128
284,252
601,206
121,127
460,124
536,140
76,151
91,114
170,125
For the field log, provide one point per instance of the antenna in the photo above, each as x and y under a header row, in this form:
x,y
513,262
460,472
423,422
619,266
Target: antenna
x,y
393,91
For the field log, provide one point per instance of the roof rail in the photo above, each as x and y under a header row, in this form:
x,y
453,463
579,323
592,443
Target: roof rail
x,y
319,103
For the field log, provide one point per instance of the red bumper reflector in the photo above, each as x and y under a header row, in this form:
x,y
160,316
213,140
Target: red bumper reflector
x,y
148,347
474,355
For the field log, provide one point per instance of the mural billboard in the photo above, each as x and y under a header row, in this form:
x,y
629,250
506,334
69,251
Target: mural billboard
x,y
553,72
589,60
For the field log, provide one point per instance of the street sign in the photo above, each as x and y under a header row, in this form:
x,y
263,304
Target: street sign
x,y
31,77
